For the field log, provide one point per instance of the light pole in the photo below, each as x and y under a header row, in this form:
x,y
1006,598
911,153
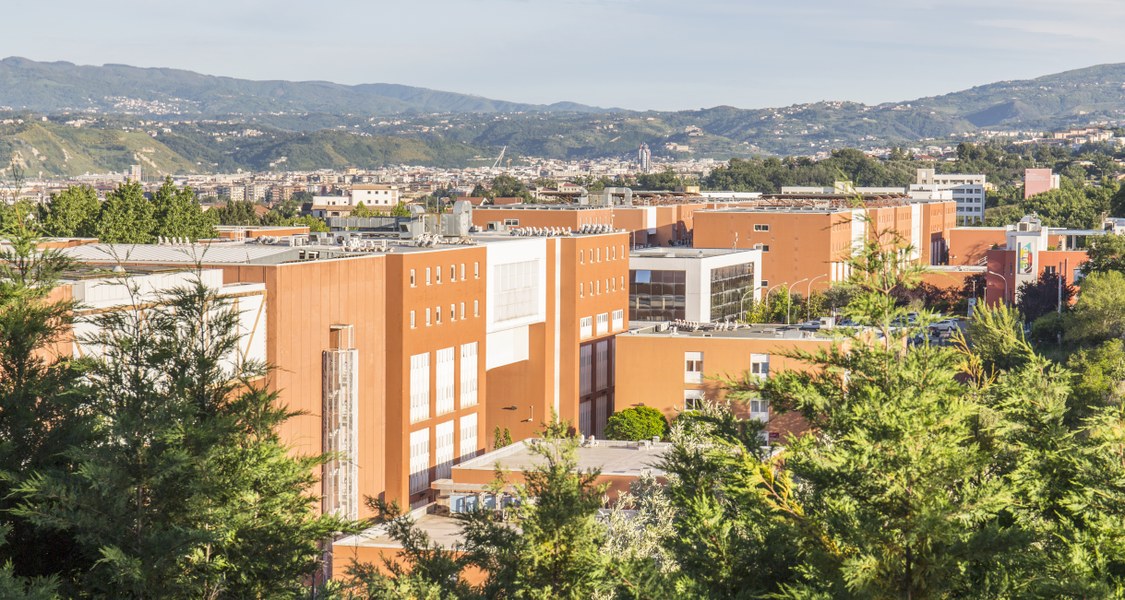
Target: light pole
x,y
742,304
767,298
1002,278
789,298
808,294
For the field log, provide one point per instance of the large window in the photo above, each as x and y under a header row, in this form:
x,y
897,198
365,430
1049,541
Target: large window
x,y
585,369
468,436
657,295
517,290
601,362
419,387
469,375
419,460
729,285
443,381
443,450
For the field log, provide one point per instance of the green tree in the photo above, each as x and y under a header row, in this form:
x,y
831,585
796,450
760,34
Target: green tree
x,y
362,211
400,210
126,217
636,423
178,213
72,212
1099,313
501,438
1098,380
1049,293
40,415
314,224
1106,253
187,491
238,212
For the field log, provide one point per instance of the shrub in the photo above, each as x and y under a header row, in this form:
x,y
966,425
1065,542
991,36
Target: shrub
x,y
636,423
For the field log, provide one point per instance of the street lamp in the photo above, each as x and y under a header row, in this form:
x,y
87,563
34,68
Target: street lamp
x,y
789,298
1002,278
808,294
766,299
742,304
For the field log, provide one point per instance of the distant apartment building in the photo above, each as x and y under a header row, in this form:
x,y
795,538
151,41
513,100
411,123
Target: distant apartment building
x,y
235,193
374,195
690,284
1037,181
968,191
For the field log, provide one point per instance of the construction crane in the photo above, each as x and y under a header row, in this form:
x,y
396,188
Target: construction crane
x,y
499,158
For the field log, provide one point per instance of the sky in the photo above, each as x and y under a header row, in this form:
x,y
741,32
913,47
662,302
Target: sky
x,y
636,54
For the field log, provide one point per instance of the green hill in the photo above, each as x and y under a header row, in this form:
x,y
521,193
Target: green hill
x,y
47,87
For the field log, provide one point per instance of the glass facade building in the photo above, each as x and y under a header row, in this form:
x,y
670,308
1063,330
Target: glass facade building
x,y
728,287
657,295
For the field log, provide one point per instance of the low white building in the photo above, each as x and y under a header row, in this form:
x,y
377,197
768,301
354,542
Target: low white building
x,y
967,190
374,195
693,284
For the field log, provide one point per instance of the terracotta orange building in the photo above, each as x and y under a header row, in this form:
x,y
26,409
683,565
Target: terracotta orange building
x,y
674,371
404,355
809,239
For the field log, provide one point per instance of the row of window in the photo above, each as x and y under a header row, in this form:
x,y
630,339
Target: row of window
x,y
759,407
444,451
586,324
437,312
432,271
596,254
443,381
595,287
693,366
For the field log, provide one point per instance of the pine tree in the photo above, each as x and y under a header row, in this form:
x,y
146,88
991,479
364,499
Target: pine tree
x,y
72,212
187,490
126,217
39,414
178,213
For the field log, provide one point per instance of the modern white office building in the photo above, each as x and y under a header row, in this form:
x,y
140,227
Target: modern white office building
x,y
705,285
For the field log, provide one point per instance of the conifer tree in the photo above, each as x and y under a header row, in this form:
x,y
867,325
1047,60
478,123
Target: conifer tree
x,y
187,491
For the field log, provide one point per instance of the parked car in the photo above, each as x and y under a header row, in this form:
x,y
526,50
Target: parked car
x,y
813,325
946,326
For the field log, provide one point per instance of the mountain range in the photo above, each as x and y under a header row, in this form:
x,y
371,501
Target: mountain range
x,y
67,119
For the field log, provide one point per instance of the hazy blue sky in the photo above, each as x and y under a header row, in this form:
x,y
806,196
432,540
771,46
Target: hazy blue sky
x,y
661,54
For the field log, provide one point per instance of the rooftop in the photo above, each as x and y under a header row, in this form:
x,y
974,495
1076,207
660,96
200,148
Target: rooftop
x,y
611,457
686,252
762,331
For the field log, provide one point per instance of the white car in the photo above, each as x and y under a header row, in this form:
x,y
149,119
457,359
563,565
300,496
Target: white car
x,y
946,326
